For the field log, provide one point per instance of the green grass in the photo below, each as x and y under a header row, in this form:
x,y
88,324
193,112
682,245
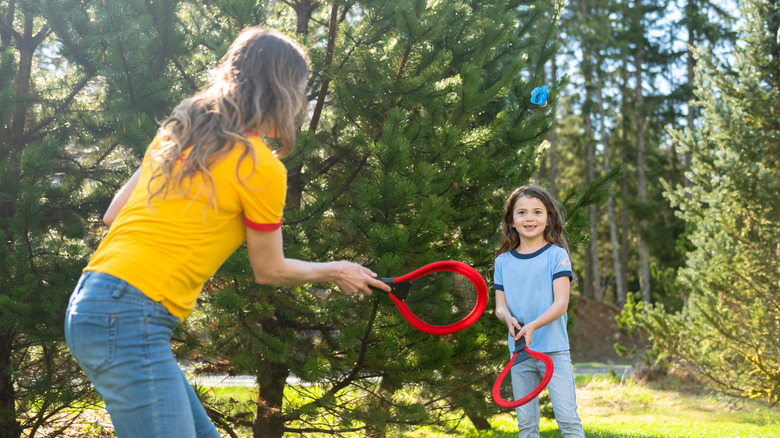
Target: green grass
x,y
610,407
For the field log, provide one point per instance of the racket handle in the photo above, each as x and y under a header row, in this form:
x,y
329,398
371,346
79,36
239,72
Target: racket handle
x,y
400,290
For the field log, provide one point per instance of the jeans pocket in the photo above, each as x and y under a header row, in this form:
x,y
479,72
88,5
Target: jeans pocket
x,y
91,339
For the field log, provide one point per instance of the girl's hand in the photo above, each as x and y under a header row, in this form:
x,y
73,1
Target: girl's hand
x,y
353,278
528,332
513,325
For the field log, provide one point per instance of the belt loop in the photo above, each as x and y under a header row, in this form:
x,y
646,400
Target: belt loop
x,y
82,279
121,286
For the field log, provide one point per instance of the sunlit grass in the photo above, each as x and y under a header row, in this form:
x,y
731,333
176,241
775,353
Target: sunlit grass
x,y
610,407
615,407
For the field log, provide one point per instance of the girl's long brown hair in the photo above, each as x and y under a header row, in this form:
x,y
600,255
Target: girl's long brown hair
x,y
554,233
261,78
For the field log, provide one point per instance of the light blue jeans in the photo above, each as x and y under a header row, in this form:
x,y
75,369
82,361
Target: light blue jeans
x,y
122,340
526,376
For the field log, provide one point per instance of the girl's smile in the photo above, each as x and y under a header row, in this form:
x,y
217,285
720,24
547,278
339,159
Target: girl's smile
x,y
529,217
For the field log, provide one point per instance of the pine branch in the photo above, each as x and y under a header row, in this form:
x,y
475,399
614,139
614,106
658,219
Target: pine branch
x,y
191,82
349,378
30,135
331,47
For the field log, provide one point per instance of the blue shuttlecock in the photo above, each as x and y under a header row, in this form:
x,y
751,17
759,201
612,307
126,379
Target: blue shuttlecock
x,y
539,95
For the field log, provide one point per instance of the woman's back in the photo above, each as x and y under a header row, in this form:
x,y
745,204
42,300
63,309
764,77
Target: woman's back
x,y
177,242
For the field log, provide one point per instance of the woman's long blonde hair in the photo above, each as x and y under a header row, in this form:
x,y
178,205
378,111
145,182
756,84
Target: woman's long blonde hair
x,y
261,79
554,233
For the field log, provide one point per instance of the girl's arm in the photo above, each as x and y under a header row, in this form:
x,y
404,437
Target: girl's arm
x,y
556,310
270,266
121,197
504,315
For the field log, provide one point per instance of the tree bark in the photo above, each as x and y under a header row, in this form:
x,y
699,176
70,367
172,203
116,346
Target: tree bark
x,y
9,427
479,422
553,171
592,273
269,421
303,11
620,292
690,62
644,256
624,186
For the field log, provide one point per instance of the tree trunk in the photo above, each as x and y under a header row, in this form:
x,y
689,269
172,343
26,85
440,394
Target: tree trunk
x,y
592,276
9,427
691,10
269,421
620,292
480,423
303,11
26,45
644,256
624,188
387,387
552,175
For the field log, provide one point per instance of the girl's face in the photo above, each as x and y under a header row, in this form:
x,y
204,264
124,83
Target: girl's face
x,y
529,218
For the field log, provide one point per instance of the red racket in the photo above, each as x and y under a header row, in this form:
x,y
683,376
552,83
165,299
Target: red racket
x,y
522,352
401,287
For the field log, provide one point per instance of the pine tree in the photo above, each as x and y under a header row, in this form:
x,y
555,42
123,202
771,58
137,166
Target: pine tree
x,y
43,205
421,125
728,331
83,86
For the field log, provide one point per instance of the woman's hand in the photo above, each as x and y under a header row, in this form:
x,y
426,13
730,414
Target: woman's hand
x,y
353,278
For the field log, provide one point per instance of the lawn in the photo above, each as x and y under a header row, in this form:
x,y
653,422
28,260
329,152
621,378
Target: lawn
x,y
614,407
610,407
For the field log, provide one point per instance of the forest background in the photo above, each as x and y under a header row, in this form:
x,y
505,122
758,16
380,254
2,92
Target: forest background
x,y
658,138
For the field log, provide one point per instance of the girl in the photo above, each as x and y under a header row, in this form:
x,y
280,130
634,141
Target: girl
x,y
207,183
532,276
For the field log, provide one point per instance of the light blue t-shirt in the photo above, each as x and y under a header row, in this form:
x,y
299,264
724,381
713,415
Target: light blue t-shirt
x,y
527,282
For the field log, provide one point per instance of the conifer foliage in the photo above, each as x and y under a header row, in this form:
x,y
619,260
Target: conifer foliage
x,y
42,206
82,84
421,124
729,330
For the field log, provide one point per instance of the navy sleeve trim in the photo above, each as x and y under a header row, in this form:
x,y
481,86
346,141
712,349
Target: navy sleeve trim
x,y
563,274
499,287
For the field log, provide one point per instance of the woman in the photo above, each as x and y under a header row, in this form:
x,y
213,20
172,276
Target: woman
x,y
207,183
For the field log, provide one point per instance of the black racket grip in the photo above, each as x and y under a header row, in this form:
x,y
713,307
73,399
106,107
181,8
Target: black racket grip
x,y
520,348
400,290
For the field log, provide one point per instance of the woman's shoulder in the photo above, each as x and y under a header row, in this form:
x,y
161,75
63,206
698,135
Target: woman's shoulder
x,y
253,154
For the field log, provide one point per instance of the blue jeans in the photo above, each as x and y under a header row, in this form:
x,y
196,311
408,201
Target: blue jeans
x,y
122,340
526,376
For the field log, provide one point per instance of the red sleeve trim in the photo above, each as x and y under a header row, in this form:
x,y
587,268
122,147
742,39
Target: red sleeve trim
x,y
262,227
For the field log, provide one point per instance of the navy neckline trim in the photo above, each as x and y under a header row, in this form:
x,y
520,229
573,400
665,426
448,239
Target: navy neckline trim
x,y
531,255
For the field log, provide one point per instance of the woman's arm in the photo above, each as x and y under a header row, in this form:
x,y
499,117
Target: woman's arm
x,y
556,310
504,315
121,197
266,255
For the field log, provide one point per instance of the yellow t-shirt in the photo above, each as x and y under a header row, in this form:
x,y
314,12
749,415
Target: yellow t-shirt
x,y
170,248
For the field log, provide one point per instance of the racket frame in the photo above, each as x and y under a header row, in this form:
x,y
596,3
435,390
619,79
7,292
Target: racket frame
x,y
522,353
400,291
